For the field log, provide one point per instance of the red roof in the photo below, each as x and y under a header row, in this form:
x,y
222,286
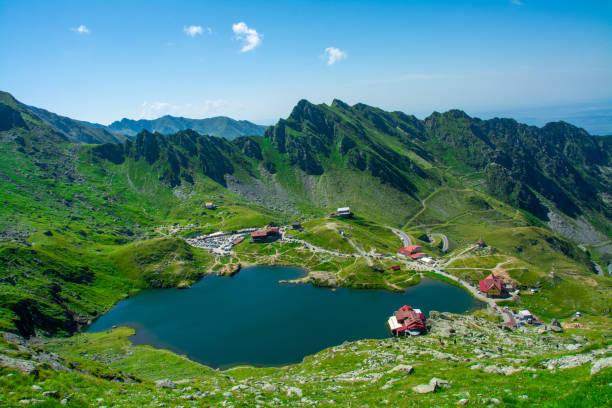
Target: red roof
x,y
410,319
395,268
259,234
489,282
417,255
410,249
273,230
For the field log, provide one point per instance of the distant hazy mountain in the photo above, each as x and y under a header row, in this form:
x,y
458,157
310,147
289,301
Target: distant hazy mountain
x,y
218,126
75,130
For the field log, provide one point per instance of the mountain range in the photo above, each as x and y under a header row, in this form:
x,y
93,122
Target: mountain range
x,y
78,131
216,126
80,223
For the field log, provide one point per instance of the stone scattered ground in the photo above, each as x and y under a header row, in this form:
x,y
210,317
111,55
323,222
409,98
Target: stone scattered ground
x,y
464,360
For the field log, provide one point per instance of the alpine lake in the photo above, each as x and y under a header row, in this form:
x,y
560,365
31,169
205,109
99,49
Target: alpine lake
x,y
253,319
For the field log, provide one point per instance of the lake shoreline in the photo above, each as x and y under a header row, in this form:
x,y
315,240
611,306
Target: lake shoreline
x,y
223,323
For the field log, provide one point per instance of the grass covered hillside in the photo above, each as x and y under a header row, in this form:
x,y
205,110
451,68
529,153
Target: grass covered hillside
x,y
479,365
83,226
78,235
86,225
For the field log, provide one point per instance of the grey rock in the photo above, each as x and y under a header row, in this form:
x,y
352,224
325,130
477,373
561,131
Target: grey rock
x,y
51,359
54,394
403,368
478,366
509,370
423,388
13,338
601,364
495,401
493,369
166,383
438,383
269,387
24,366
36,387
293,390
463,401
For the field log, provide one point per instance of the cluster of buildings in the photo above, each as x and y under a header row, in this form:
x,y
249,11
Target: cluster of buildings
x,y
219,243
493,286
407,322
268,235
412,251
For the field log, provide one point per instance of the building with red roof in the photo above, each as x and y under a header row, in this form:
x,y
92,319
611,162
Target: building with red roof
x,y
267,235
492,286
407,321
409,250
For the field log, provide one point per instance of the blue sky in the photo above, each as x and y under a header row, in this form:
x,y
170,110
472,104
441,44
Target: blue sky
x,y
104,60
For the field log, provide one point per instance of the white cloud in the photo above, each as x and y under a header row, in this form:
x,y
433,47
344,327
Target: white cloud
x,y
250,37
516,2
333,55
81,29
207,108
193,30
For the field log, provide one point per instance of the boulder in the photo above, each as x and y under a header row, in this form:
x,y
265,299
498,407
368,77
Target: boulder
x,y
24,366
293,390
423,388
269,387
439,383
403,368
463,401
509,370
433,315
601,364
52,360
53,394
478,366
167,383
493,369
13,338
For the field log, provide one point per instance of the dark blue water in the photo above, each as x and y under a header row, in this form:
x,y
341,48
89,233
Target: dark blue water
x,y
252,319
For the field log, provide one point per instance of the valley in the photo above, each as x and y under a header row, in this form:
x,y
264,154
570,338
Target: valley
x,y
86,227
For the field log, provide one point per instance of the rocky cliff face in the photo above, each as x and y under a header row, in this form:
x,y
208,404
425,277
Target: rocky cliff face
x,y
525,166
